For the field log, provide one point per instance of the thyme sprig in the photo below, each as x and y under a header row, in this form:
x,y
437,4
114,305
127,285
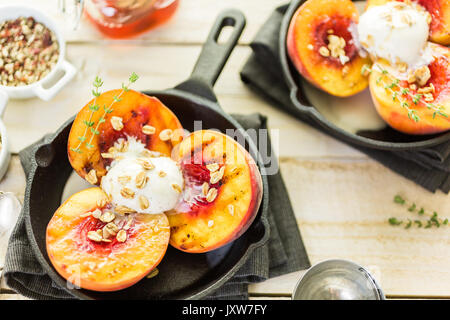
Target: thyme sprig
x,y
433,219
402,92
93,127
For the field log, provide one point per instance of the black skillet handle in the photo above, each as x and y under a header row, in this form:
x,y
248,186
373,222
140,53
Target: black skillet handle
x,y
213,57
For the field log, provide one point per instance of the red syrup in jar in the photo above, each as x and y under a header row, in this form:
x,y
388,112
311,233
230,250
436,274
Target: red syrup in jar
x,y
128,18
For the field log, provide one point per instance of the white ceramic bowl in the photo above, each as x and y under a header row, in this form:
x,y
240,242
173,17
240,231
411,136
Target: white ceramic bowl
x,y
37,88
5,155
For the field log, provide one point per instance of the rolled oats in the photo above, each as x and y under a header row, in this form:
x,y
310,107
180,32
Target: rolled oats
x,y
117,124
122,210
147,129
165,135
212,194
143,201
94,236
127,193
121,236
176,187
141,180
107,216
212,167
145,163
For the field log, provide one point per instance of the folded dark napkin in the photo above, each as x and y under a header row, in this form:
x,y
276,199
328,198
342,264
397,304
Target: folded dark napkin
x,y
283,253
262,72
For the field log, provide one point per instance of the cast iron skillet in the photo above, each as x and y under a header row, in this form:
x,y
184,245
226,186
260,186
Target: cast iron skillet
x,y
386,139
182,275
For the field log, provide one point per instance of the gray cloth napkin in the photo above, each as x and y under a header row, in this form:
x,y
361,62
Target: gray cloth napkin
x,y
262,72
284,252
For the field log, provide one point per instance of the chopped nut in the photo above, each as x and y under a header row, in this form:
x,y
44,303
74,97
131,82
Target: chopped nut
x,y
231,209
212,167
116,123
141,180
127,193
121,236
165,135
121,210
212,194
107,216
330,31
143,201
411,77
123,180
91,177
147,129
413,86
422,75
92,235
176,187
336,46
28,51
205,188
324,52
145,163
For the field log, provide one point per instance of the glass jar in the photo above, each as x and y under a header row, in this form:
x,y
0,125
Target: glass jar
x,y
128,18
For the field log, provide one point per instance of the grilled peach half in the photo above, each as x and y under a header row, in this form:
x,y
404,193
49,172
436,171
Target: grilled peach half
x,y
396,115
99,265
311,49
94,133
223,191
440,18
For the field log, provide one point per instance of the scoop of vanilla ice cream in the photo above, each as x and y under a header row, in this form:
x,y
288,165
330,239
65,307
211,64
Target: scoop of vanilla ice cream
x,y
162,188
397,32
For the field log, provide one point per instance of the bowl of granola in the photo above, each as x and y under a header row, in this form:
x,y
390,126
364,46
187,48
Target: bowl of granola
x,y
32,55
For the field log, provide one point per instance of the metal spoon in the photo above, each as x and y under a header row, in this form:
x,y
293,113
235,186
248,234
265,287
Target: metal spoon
x,y
337,280
9,212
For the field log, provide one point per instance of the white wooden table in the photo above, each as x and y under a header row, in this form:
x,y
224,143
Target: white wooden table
x,y
342,199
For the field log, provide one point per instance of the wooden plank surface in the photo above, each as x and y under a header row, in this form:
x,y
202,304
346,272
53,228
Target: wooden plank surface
x,y
341,199
190,24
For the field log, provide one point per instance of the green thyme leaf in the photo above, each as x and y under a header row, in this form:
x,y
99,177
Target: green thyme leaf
x,y
398,199
133,77
409,224
394,221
